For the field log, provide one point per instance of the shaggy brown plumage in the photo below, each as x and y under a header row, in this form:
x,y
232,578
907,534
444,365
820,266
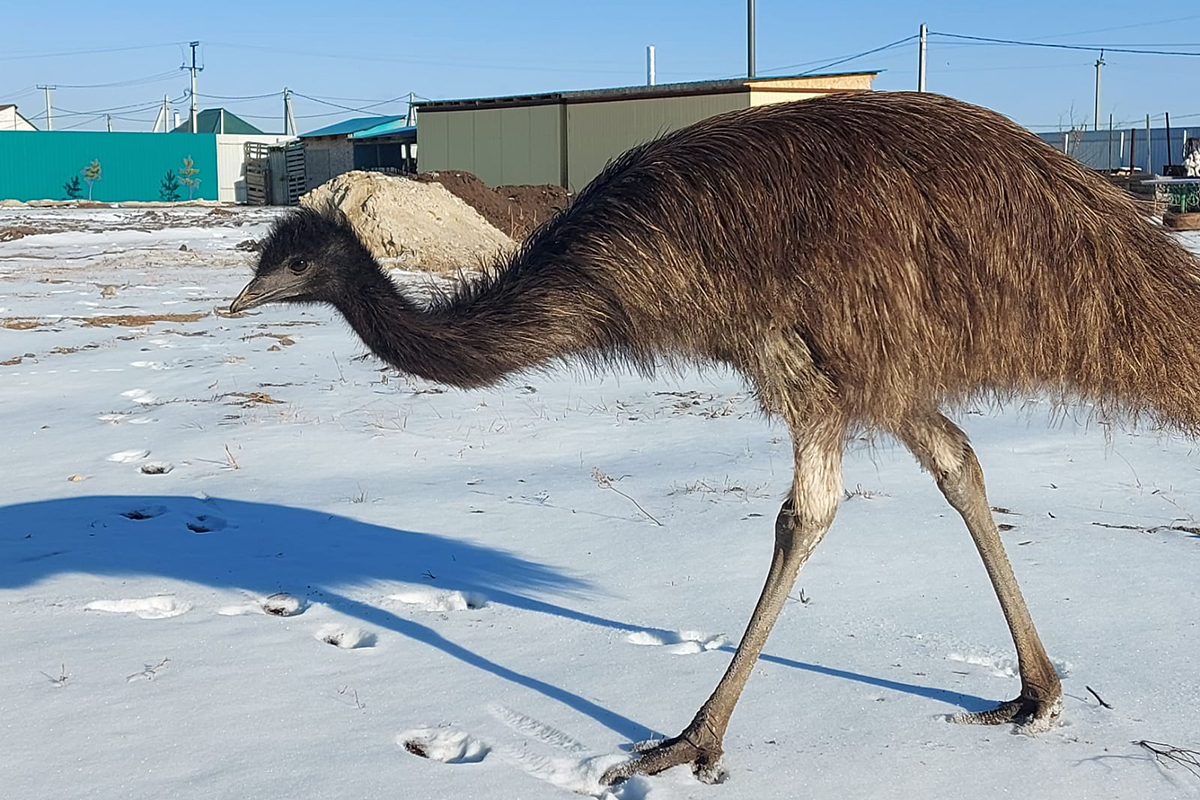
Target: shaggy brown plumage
x,y
864,260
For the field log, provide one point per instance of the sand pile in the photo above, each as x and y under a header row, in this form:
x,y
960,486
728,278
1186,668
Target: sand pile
x,y
420,225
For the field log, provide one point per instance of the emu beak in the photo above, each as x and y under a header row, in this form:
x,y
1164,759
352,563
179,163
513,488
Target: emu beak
x,y
249,298
261,289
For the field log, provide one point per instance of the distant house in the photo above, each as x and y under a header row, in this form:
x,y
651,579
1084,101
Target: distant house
x,y
386,144
11,119
218,120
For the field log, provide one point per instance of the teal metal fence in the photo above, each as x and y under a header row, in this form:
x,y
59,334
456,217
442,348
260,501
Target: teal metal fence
x,y
61,165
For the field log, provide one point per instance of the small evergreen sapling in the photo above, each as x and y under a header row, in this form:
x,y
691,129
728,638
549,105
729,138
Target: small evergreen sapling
x,y
73,188
168,190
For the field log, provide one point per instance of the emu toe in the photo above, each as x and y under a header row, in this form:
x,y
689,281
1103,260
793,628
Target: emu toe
x,y
656,756
1031,716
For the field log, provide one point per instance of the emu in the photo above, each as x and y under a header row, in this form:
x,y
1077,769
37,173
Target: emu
x,y
866,261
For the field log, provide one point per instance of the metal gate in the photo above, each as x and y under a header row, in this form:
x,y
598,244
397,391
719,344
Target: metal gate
x,y
275,174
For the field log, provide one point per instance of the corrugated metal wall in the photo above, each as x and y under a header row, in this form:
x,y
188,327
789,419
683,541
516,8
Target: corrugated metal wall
x,y
34,165
499,145
599,132
1092,147
559,144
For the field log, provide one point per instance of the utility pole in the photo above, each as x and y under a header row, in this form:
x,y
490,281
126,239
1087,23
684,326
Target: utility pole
x,y
650,65
750,38
194,70
1149,149
412,111
289,119
921,58
108,119
49,108
1099,64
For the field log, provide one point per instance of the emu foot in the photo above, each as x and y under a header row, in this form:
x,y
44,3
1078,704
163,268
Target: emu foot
x,y
657,755
1031,716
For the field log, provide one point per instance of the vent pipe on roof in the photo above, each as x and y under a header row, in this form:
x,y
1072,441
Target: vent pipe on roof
x,y
650,65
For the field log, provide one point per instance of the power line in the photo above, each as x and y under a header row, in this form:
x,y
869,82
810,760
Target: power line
x,y
130,82
889,46
1060,46
239,97
424,61
88,51
362,109
1124,27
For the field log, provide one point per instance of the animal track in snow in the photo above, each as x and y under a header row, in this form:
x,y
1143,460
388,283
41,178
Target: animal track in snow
x,y
280,604
157,607
155,365
681,643
206,523
144,512
542,751
128,456
1004,666
443,744
346,637
427,599
140,396
119,419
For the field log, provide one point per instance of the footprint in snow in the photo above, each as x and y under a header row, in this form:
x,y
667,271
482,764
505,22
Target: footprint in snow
x,y
119,419
539,750
206,523
144,512
680,643
346,637
443,744
157,607
427,599
128,456
280,604
140,396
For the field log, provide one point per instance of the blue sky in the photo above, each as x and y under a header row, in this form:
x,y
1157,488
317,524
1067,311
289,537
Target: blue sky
x,y
359,54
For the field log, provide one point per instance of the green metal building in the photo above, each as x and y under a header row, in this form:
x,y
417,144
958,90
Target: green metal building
x,y
566,138
47,165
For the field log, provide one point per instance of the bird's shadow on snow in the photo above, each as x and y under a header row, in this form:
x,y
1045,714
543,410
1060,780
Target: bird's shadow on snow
x,y
264,548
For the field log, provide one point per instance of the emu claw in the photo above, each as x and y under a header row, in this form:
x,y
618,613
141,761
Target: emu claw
x,y
657,755
1031,716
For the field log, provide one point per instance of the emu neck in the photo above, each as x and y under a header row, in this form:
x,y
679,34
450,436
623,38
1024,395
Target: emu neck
x,y
502,324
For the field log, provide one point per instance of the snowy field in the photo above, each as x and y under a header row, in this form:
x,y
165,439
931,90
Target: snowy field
x,y
239,561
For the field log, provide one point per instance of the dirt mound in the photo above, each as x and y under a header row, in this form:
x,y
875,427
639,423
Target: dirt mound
x,y
420,224
515,210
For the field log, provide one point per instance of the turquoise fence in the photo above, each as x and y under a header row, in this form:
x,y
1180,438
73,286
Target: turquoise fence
x,y
57,165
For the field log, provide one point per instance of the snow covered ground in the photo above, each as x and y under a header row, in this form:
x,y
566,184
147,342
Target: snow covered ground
x,y
236,560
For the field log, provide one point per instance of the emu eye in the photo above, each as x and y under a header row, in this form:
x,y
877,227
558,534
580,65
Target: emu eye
x,y
298,265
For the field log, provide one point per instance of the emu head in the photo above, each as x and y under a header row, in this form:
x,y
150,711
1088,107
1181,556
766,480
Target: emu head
x,y
309,256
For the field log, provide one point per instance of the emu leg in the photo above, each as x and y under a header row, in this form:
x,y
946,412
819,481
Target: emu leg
x,y
943,449
800,526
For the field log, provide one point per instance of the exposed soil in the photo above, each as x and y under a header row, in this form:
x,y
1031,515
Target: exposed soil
x,y
14,232
515,210
137,320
